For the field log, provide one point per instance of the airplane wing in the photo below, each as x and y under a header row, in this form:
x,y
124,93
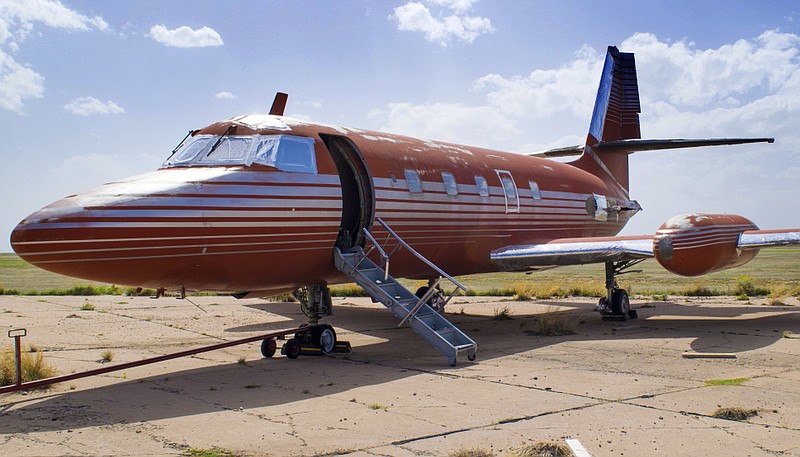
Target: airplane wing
x,y
573,251
755,239
579,251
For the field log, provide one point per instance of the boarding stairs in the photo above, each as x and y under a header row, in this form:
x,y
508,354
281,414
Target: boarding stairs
x,y
423,319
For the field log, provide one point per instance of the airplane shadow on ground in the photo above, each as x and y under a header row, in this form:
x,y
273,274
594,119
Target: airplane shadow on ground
x,y
396,354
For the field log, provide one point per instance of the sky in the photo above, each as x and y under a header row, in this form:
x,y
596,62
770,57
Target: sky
x,y
94,91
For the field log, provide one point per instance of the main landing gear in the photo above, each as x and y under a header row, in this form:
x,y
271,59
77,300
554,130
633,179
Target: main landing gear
x,y
616,305
437,298
315,338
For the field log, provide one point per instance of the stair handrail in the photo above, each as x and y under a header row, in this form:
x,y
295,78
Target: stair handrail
x,y
413,251
377,245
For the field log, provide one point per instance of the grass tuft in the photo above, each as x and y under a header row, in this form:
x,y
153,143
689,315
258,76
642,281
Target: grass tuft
x,y
700,290
106,356
503,314
734,414
377,406
348,290
208,453
473,452
32,364
87,307
543,449
554,323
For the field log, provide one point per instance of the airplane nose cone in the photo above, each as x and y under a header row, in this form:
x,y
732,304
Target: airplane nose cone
x,y
37,234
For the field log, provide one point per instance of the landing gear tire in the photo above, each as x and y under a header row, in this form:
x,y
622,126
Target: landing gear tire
x,y
620,303
436,301
421,291
325,337
268,347
472,357
292,348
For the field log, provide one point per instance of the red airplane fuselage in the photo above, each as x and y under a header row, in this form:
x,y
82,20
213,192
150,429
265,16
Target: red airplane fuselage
x,y
248,219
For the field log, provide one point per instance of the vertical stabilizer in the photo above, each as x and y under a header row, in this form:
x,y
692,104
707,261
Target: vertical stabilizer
x,y
615,117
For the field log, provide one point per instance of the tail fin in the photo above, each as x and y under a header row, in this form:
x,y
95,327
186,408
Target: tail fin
x,y
616,110
614,132
615,117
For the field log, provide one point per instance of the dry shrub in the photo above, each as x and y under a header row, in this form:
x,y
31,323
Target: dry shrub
x,y
502,314
550,289
778,301
555,323
348,290
32,363
699,290
543,449
735,413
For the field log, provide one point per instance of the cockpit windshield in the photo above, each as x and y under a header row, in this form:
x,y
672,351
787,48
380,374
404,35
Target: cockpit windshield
x,y
284,152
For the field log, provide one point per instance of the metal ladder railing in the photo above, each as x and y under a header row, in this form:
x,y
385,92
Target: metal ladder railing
x,y
402,244
382,287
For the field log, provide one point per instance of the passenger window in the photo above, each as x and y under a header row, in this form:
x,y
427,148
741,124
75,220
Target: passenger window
x,y
482,185
509,191
509,188
535,190
412,178
450,185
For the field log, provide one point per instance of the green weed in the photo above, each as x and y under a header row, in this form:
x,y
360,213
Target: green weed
x,y
725,382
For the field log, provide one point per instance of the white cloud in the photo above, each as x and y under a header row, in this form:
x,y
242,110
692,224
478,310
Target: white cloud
x,y
747,88
417,17
477,125
185,37
85,106
225,95
17,83
17,20
570,88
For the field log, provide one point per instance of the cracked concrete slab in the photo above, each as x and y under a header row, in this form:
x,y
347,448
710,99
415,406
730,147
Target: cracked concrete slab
x,y
620,388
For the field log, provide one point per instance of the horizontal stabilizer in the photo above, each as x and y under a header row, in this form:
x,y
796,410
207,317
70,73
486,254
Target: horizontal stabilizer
x,y
629,146
755,239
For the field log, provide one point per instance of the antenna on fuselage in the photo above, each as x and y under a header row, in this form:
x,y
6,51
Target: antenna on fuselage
x,y
279,104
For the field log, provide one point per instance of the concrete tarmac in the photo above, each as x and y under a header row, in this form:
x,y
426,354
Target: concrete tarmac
x,y
620,388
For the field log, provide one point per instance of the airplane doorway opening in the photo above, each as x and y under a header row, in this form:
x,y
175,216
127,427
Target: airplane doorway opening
x,y
358,195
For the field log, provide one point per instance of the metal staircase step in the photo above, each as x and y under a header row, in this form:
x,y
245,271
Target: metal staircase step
x,y
429,324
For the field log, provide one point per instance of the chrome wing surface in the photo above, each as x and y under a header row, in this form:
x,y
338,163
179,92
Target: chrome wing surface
x,y
580,251
755,239
573,251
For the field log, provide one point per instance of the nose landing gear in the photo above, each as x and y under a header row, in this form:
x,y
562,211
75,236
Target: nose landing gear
x,y
314,338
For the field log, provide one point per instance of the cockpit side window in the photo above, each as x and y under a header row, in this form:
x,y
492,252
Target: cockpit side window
x,y
190,149
230,150
287,153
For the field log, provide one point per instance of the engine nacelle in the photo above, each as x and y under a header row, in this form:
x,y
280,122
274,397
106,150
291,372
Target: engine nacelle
x,y
696,244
